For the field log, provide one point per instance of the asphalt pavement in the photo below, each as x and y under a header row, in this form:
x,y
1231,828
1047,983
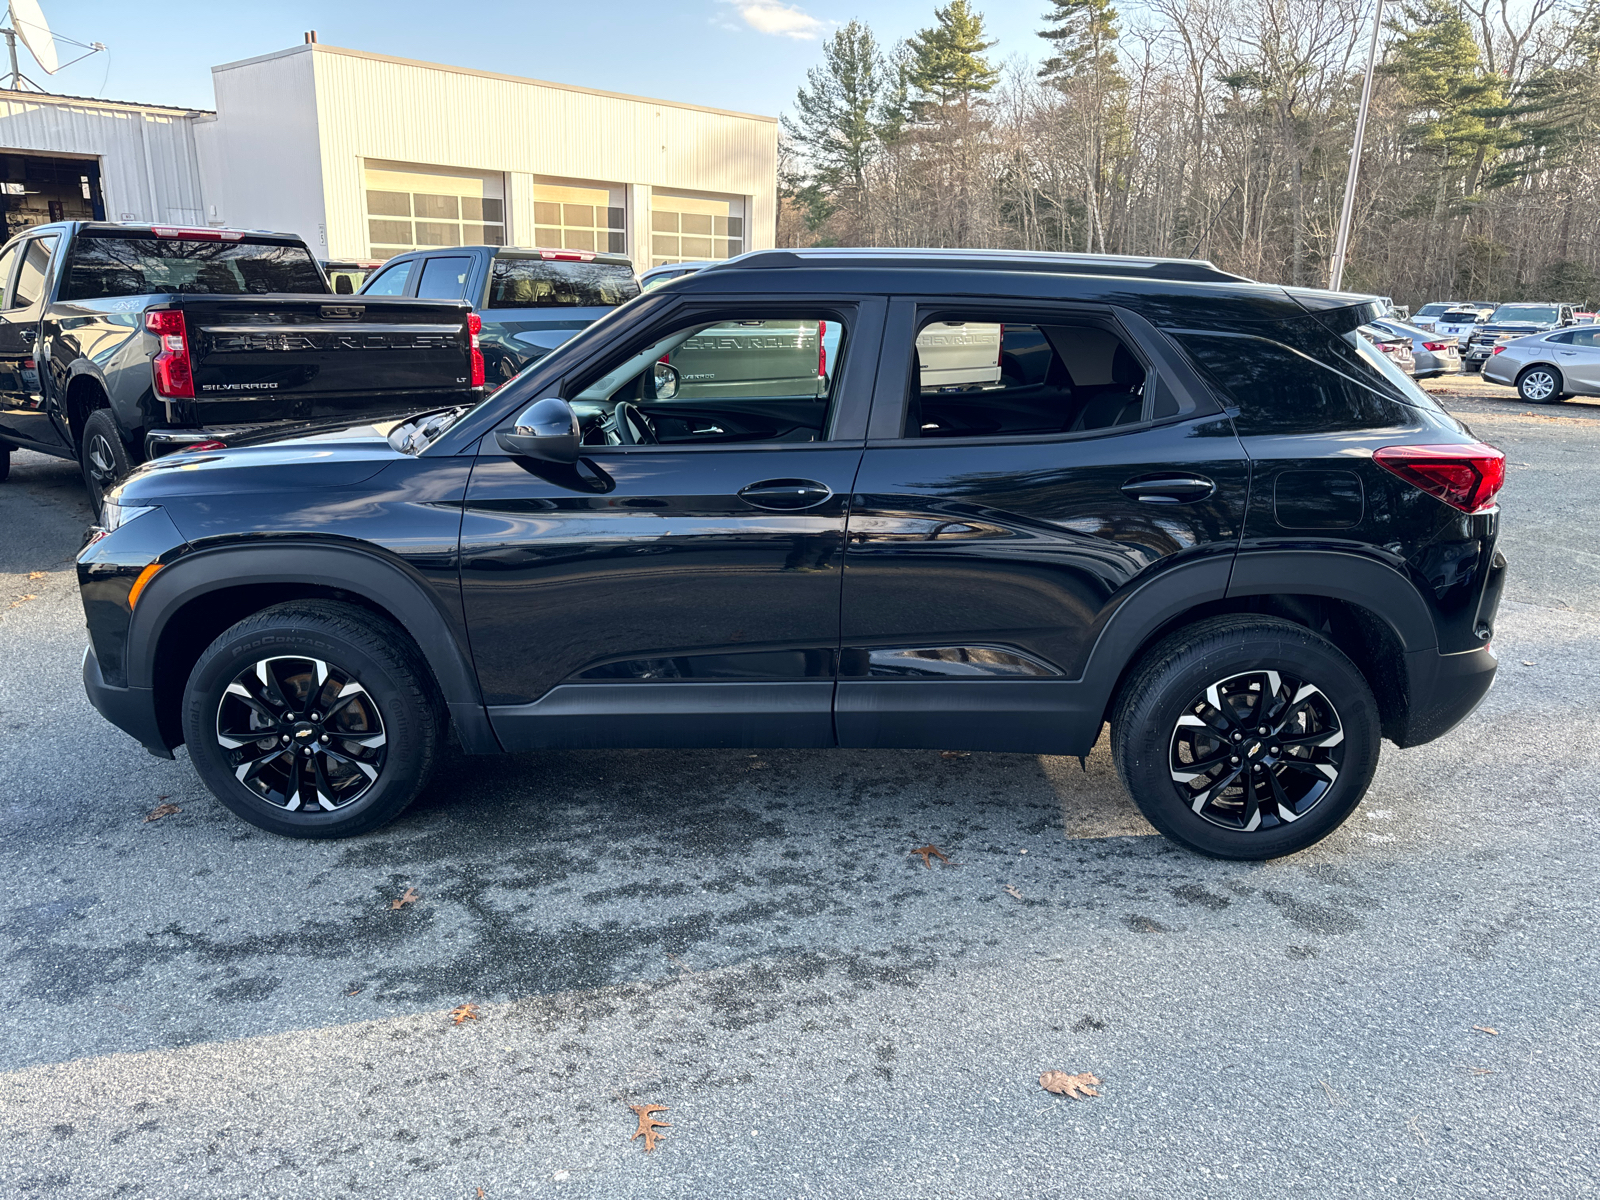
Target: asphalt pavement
x,y
193,1007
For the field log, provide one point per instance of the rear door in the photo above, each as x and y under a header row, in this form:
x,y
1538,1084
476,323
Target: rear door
x,y
23,412
996,527
680,585
1578,356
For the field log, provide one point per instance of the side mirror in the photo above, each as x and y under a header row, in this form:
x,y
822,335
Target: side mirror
x,y
547,429
665,381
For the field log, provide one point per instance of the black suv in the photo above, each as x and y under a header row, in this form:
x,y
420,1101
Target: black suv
x,y
1128,490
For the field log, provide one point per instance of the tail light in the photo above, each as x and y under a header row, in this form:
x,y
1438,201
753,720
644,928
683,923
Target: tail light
x,y
210,444
173,371
822,349
474,328
1496,350
1435,347
1467,476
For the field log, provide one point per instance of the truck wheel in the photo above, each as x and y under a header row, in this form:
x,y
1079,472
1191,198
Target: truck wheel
x,y
104,456
1540,384
1246,737
313,719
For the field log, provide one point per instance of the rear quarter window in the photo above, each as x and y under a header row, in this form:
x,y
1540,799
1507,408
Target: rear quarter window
x,y
554,283
101,267
1279,389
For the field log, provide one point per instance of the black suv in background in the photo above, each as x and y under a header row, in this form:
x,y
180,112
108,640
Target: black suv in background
x,y
1202,509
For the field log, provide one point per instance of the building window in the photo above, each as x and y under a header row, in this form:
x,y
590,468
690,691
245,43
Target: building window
x,y
693,229
417,208
567,217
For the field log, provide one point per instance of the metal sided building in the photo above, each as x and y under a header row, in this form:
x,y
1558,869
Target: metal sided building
x,y
366,156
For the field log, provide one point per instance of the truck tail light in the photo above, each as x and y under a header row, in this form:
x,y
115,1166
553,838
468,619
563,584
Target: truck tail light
x,y
822,349
474,328
1467,476
171,367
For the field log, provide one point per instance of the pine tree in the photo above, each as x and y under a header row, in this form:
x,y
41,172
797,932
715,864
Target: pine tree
x,y
1084,69
948,65
836,119
1083,34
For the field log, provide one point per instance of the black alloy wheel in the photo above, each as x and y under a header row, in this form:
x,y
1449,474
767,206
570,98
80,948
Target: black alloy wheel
x,y
1246,737
1256,751
105,458
314,719
301,733
1540,384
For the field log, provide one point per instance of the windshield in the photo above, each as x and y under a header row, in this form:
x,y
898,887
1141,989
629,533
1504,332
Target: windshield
x,y
547,283
1538,314
1432,310
100,266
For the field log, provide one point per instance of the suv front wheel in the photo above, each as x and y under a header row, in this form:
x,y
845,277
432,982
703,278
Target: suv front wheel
x,y
1246,737
313,719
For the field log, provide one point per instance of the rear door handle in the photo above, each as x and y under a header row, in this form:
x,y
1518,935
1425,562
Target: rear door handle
x,y
1170,489
785,493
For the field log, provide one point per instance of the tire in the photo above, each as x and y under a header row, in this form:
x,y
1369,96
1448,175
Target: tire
x,y
1540,384
103,455
391,713
5,462
1165,720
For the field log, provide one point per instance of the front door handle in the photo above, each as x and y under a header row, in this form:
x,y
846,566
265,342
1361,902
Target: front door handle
x,y
1170,489
786,493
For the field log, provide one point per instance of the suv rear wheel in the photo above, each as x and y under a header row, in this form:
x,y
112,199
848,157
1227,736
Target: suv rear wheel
x,y
1246,737
313,719
1540,385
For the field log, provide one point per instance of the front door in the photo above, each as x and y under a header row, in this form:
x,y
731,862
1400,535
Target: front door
x,y
23,415
1008,502
679,586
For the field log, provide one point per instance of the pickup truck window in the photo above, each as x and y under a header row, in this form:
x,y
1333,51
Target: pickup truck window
x,y
36,254
7,260
444,278
556,283
102,266
391,281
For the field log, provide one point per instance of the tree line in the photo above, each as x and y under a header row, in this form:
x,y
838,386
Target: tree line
x,y
1222,129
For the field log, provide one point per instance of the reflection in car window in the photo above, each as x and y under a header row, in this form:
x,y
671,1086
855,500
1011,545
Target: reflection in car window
x,y
392,281
546,283
444,278
741,379
102,265
984,379
7,260
35,266
1278,389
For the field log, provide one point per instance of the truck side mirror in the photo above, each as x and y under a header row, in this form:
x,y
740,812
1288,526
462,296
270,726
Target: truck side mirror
x,y
547,429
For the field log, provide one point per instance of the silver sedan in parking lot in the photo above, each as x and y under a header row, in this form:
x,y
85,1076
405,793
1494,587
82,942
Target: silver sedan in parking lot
x,y
1435,353
1549,367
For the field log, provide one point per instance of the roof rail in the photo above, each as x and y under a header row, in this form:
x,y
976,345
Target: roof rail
x,y
1185,270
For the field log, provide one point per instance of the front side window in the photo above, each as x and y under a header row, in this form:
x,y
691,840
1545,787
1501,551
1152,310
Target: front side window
x,y
518,282
738,379
102,266
33,272
444,278
984,378
392,281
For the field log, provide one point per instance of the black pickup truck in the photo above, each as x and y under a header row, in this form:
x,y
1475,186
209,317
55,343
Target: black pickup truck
x,y
120,343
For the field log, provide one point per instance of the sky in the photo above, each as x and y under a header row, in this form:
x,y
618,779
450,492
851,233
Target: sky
x,y
748,55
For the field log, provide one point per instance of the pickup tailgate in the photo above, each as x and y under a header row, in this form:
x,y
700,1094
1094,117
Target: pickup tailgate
x,y
266,358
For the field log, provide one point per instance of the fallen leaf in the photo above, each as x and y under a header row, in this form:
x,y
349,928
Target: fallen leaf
x,y
1062,1084
464,1012
954,754
1333,1096
23,599
37,574
481,1194
680,964
1011,890
929,853
648,1124
1487,1029
1480,1070
1412,1125
161,810
356,992
410,897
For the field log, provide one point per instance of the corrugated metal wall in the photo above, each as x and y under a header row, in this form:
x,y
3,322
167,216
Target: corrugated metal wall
x,y
370,107
149,169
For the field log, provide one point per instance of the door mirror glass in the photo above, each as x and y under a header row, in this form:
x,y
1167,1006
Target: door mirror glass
x,y
547,429
665,379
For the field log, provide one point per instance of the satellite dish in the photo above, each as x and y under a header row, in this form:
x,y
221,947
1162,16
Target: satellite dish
x,y
28,20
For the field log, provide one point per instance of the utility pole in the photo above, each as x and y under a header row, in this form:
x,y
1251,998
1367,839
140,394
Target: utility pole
x,y
1341,246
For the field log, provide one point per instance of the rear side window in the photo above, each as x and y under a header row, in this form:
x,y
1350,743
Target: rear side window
x,y
553,283
100,267
1278,388
391,281
35,267
444,278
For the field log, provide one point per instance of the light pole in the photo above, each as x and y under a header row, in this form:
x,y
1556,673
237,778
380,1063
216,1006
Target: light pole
x,y
1341,245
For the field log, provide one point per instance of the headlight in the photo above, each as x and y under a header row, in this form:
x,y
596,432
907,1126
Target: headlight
x,y
113,516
